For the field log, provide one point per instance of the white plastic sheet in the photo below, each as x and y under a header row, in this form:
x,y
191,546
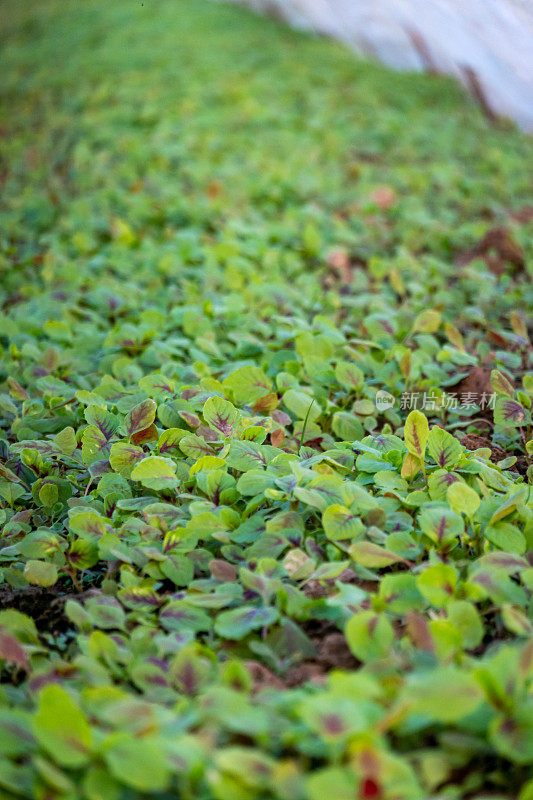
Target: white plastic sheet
x,y
484,42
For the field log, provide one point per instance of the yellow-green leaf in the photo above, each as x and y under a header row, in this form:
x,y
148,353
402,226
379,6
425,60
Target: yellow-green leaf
x,y
416,433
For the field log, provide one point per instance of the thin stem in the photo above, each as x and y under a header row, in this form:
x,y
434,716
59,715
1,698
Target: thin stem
x,y
305,425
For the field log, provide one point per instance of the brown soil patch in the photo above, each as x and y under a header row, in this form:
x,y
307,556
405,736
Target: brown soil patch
x,y
474,442
308,672
499,251
263,678
44,605
332,652
475,387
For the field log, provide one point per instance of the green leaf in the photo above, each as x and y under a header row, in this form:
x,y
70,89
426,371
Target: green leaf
x,y
440,523
320,492
179,569
246,455
18,778
509,413
156,472
347,426
427,322
157,385
302,404
254,482
138,762
124,456
105,612
221,415
369,635
438,483
140,417
372,555
512,736
82,554
463,499
516,621
437,584
340,523
247,384
20,624
94,445
98,784
337,782
465,617
11,491
400,593
248,764
178,615
238,622
509,505
48,495
500,384
169,441
195,447
446,694
88,525
349,376
61,728
106,422
416,433
41,573
444,448
66,440
507,537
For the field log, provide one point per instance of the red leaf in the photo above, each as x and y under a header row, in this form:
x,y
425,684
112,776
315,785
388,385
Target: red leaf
x,y
370,790
12,650
149,434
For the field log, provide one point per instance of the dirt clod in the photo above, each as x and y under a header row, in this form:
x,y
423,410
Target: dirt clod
x,y
474,442
475,387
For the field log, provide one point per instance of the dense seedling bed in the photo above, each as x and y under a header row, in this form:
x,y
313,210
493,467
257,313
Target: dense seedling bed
x,y
265,426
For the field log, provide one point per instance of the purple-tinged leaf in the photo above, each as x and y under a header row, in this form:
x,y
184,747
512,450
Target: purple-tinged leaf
x,y
140,417
509,413
221,415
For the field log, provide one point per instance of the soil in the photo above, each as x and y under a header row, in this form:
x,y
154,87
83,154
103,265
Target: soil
x,y
474,442
476,384
332,652
44,605
499,251
262,677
